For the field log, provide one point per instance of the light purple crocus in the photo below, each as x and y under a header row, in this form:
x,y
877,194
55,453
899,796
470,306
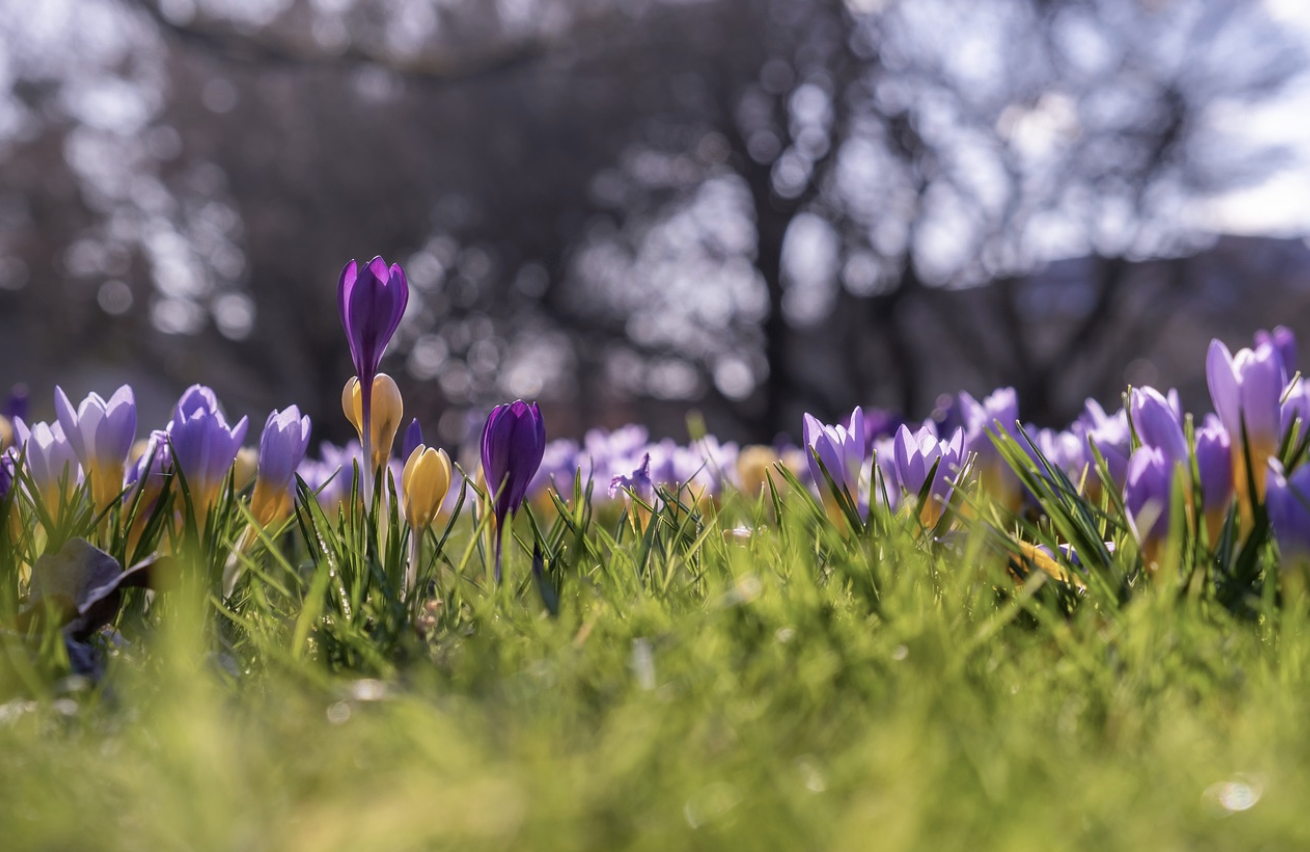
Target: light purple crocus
x,y
282,448
1146,492
1284,343
1214,466
1247,390
1158,423
997,414
1288,503
51,461
915,453
839,450
101,433
204,446
1110,434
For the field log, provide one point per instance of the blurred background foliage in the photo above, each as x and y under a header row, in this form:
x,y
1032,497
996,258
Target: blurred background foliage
x,y
629,208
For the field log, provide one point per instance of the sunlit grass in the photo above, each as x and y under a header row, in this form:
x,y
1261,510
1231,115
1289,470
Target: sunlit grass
x,y
713,680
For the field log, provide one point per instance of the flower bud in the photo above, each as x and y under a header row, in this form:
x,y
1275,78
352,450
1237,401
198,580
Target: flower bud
x,y
388,409
424,485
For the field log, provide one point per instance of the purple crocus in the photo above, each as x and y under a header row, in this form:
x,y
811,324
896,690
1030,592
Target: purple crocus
x,y
1284,342
513,442
1247,391
1288,502
1158,423
915,453
1214,466
839,450
204,446
998,415
51,460
371,301
412,438
637,482
1146,492
281,450
101,433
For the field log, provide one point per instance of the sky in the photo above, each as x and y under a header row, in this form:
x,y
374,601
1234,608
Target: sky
x,y
1280,206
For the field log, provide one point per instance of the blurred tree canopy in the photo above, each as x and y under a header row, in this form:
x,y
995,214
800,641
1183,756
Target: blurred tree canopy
x,y
621,207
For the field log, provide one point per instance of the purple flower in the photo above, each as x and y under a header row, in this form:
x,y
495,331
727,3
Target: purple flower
x,y
1247,391
638,482
915,453
997,414
1147,490
281,450
204,446
1288,503
412,438
1110,435
6,473
372,301
1284,342
513,442
51,460
101,433
1158,423
1214,466
839,450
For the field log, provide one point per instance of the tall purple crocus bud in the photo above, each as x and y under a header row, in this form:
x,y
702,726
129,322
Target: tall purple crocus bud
x,y
101,433
840,450
281,450
997,414
371,301
914,454
52,462
204,446
513,443
1246,390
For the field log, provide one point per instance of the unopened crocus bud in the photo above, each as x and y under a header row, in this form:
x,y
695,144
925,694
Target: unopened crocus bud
x,y
424,484
388,410
838,450
282,448
513,443
101,433
412,438
914,454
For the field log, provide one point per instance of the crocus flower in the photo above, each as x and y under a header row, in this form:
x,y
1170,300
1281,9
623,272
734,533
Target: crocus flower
x,y
388,410
412,438
371,301
1110,434
914,454
204,447
424,484
1288,502
1158,423
101,433
1284,343
1146,494
513,443
52,462
997,414
281,450
1214,465
838,450
1246,390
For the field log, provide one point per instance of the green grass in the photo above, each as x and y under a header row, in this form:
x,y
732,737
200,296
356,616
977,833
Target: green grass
x,y
796,689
